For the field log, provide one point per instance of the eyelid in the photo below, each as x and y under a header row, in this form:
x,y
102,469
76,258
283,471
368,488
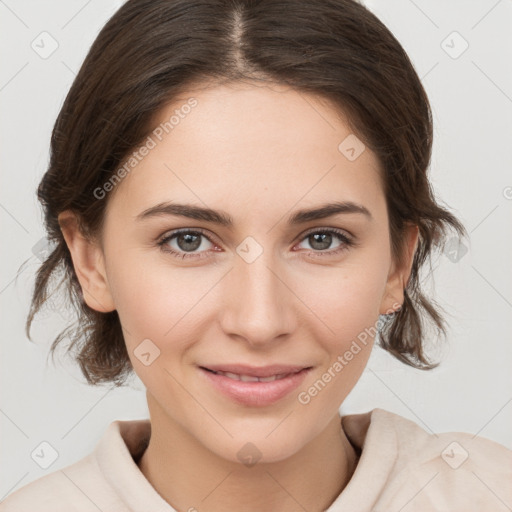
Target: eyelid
x,y
316,229
213,239
347,239
172,232
163,240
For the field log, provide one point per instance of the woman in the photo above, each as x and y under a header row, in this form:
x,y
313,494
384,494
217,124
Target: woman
x,y
238,195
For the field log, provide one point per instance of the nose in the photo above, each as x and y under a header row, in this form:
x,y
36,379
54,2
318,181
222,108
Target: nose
x,y
259,305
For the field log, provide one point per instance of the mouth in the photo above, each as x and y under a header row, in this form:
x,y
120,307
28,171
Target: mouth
x,y
253,386
252,378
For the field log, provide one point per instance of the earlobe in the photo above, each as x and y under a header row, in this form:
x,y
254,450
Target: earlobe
x,y
399,275
89,264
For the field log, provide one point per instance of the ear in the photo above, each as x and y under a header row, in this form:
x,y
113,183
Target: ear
x,y
399,274
89,264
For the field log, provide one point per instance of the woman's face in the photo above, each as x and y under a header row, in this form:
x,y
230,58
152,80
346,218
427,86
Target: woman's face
x,y
267,285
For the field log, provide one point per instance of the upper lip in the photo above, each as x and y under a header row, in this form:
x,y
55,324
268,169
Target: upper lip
x,y
256,371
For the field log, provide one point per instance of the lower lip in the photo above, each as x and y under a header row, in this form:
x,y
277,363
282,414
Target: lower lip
x,y
256,394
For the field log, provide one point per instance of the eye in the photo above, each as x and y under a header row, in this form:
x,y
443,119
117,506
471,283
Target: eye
x,y
185,243
190,243
322,239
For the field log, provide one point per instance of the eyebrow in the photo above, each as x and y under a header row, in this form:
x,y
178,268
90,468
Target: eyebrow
x,y
224,219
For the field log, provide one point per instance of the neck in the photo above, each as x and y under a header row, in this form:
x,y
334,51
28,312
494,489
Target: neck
x,y
190,477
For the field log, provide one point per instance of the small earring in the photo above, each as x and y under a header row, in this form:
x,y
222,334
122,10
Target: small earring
x,y
393,313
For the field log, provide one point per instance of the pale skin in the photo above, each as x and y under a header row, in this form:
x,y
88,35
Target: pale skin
x,y
259,154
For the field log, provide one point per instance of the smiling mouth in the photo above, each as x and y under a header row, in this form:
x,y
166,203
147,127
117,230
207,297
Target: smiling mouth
x,y
251,378
252,386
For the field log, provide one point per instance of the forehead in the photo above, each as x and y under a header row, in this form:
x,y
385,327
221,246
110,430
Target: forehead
x,y
249,144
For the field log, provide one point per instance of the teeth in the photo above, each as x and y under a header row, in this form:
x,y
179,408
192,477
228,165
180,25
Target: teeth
x,y
269,379
231,375
247,378
250,378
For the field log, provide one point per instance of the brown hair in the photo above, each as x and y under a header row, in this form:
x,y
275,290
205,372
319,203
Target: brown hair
x,y
152,50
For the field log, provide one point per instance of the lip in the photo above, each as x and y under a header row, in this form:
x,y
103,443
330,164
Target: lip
x,y
255,394
256,371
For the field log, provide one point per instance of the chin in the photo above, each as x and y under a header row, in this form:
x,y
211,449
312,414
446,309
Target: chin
x,y
250,450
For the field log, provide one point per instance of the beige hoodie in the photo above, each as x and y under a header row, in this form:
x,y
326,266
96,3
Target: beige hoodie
x,y
402,468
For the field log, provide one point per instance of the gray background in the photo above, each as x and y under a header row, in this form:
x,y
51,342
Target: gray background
x,y
471,96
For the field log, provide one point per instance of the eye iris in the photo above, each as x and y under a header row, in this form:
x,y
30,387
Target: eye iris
x,y
325,240
187,239
189,242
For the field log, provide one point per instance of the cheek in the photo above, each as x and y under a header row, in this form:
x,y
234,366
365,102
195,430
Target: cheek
x,y
350,310
348,307
152,306
347,299
158,302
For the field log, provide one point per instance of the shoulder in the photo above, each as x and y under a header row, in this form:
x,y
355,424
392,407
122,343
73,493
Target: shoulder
x,y
455,449
65,490
435,471
96,482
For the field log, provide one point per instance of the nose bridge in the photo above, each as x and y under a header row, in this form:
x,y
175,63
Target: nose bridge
x,y
259,307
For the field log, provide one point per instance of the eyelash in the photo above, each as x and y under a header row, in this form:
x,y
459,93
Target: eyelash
x,y
347,242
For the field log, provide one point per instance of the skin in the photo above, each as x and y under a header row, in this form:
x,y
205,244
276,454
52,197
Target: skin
x,y
259,153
